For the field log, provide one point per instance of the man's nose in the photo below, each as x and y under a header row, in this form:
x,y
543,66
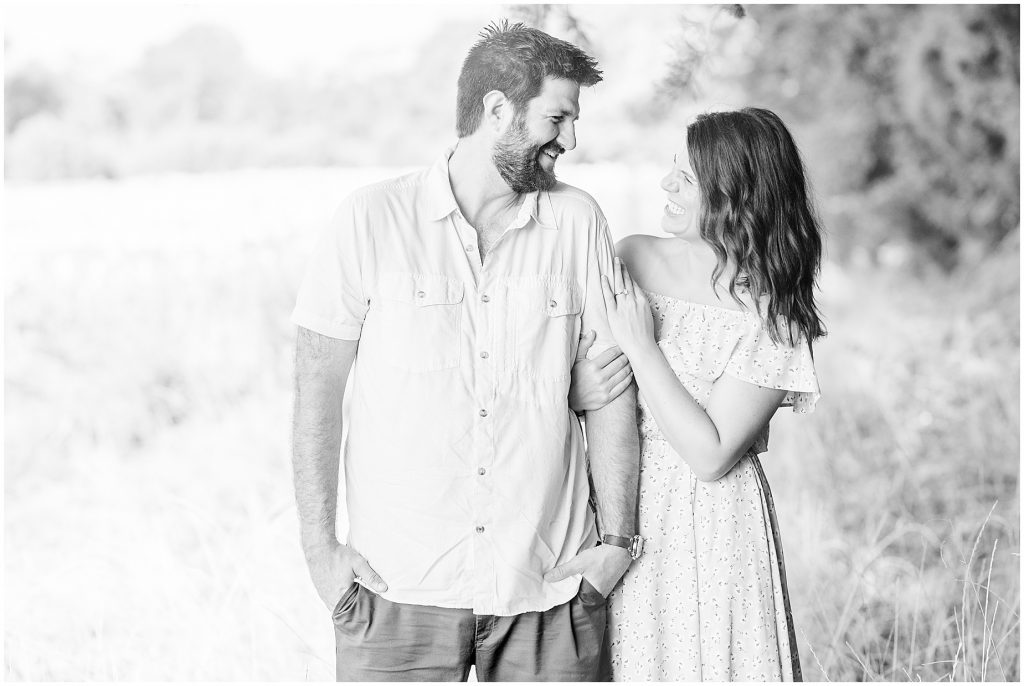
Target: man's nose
x,y
567,136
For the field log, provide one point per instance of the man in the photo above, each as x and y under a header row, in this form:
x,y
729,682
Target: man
x,y
464,289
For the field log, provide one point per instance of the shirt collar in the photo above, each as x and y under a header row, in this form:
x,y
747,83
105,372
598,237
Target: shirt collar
x,y
535,206
441,200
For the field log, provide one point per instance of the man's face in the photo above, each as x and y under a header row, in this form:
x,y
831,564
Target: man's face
x,y
525,154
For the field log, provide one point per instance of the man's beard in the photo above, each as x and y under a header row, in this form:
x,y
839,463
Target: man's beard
x,y
518,161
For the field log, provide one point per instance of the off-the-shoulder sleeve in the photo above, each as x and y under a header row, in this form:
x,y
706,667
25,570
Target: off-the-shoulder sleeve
x,y
759,360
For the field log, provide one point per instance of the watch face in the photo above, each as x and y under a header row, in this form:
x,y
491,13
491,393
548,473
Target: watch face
x,y
636,547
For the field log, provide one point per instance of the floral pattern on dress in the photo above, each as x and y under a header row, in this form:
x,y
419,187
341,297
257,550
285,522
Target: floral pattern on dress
x,y
707,600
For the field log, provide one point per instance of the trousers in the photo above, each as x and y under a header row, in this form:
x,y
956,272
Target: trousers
x,y
378,640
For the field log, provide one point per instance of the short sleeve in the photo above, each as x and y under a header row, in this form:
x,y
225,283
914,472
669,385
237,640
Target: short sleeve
x,y
332,299
600,258
761,361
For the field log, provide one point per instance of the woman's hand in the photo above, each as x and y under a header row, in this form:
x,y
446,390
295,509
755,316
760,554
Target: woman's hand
x,y
629,314
597,382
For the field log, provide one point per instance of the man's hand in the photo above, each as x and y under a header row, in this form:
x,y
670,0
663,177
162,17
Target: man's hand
x,y
602,566
334,568
597,382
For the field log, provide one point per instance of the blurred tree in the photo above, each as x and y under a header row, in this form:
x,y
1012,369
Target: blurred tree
x,y
29,92
558,20
200,75
703,31
910,111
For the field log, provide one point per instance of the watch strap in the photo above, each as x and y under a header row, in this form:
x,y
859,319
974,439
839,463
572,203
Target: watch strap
x,y
634,545
620,541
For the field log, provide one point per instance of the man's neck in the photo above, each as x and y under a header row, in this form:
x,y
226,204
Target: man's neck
x,y
481,194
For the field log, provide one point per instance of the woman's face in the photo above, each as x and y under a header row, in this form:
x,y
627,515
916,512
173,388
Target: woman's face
x,y
683,207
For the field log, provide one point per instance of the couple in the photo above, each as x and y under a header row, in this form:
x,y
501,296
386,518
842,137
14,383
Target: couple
x,y
464,291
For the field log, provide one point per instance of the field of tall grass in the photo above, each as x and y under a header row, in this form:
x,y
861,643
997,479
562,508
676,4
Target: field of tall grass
x,y
150,528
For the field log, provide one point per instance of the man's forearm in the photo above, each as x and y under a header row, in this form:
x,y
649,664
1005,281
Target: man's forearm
x,y
316,449
321,371
613,447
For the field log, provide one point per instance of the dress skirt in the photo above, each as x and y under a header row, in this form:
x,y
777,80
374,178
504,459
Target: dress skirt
x,y
707,600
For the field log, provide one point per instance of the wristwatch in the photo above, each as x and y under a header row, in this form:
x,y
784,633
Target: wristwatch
x,y
633,544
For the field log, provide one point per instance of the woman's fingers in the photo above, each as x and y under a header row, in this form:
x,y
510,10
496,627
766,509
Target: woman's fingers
x,y
640,295
617,273
627,280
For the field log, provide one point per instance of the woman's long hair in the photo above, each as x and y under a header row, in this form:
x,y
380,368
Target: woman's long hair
x,y
757,214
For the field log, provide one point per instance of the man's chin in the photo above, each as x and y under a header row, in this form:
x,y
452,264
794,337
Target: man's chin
x,y
540,182
546,180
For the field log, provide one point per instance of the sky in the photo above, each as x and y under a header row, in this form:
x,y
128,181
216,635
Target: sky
x,y
277,36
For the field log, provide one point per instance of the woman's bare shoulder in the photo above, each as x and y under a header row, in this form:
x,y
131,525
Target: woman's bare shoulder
x,y
642,255
638,248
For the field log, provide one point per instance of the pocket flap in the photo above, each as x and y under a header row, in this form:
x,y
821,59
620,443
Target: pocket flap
x,y
421,289
561,299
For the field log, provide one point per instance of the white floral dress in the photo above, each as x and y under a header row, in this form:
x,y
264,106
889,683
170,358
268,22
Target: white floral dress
x,y
707,600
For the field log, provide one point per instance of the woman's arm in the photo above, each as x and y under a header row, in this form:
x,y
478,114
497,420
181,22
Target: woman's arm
x,y
710,440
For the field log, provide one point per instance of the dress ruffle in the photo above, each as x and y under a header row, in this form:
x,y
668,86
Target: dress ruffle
x,y
759,360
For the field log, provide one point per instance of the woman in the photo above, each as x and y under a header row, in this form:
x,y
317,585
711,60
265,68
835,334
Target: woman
x,y
717,322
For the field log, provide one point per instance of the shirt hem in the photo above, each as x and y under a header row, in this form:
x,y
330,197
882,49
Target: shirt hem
x,y
507,611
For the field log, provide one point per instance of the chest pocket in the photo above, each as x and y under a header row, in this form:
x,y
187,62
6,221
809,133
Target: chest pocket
x,y
547,323
420,321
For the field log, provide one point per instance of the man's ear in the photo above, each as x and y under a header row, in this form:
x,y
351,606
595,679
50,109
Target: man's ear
x,y
497,111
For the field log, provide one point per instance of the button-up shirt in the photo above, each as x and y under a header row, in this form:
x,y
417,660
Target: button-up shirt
x,y
464,467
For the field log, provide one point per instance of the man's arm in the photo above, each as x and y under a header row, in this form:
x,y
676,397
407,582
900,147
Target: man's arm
x,y
613,444
613,447
322,366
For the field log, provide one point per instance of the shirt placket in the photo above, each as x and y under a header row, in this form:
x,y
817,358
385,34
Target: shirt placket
x,y
488,315
468,239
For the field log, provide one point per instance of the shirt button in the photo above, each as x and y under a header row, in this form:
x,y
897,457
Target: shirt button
x,y
479,529
482,471
470,248
486,298
552,303
483,413
420,294
484,354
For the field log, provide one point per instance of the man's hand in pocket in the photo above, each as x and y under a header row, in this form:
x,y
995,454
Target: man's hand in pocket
x,y
602,566
334,568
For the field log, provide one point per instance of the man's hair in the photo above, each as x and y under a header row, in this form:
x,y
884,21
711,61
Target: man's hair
x,y
515,59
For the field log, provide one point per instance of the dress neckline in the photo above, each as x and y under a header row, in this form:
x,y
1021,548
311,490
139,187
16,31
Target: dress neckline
x,y
696,304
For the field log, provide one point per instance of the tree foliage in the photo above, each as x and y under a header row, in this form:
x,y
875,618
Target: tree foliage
x,y
912,114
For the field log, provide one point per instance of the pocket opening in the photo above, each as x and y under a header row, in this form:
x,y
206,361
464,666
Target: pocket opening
x,y
347,601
